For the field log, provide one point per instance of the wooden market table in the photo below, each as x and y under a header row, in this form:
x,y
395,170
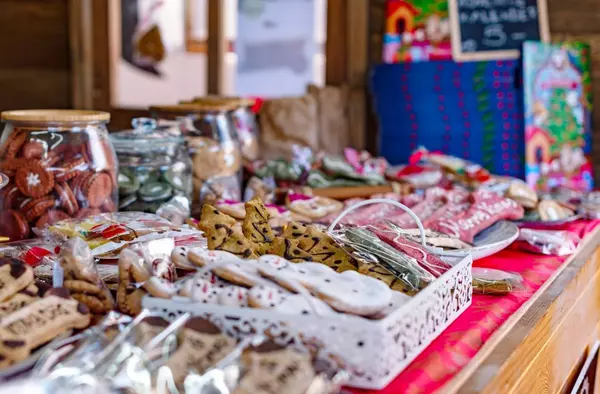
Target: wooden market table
x,y
543,345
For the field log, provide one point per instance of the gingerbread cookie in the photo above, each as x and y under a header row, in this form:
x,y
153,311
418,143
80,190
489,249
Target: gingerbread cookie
x,y
212,216
274,369
256,225
202,346
19,300
15,276
40,322
382,274
294,230
289,249
323,249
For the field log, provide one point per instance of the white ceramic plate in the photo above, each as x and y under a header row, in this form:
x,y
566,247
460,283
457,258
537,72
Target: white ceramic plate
x,y
492,240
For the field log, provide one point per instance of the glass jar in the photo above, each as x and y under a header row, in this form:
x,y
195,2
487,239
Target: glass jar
x,y
243,120
60,164
213,148
154,166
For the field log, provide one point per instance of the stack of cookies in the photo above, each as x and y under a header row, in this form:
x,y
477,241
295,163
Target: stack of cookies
x,y
50,182
31,314
298,243
81,277
274,283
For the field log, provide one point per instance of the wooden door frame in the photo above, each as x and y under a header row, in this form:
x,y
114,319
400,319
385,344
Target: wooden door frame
x,y
346,57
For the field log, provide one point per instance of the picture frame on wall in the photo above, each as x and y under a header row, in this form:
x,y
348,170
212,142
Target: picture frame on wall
x,y
494,30
557,107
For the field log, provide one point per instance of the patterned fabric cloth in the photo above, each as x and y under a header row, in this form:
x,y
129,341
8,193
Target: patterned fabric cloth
x,y
456,346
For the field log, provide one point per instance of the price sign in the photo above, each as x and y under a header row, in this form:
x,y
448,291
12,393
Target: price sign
x,y
496,29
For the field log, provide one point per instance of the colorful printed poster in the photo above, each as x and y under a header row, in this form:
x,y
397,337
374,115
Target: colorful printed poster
x,y
558,105
416,31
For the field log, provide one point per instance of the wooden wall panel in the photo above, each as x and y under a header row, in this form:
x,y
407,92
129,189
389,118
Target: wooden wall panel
x,y
34,54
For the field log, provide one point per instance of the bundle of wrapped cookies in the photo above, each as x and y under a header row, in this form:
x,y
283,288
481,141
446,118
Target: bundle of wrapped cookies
x,y
188,355
32,314
453,216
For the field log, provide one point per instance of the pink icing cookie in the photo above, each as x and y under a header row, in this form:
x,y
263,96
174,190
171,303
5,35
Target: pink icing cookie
x,y
348,292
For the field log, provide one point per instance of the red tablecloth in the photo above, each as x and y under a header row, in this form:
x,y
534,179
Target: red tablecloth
x,y
456,346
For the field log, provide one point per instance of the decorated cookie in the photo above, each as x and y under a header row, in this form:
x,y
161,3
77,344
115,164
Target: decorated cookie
x,y
323,249
211,217
202,346
274,369
229,239
348,292
40,322
289,249
179,257
487,209
280,300
233,296
33,180
233,209
294,230
204,292
15,276
382,274
256,225
232,268
315,207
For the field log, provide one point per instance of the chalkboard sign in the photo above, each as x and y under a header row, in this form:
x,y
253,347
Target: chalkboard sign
x,y
495,29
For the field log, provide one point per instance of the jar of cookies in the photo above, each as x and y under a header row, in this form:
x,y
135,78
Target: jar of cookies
x,y
154,166
60,164
213,148
244,122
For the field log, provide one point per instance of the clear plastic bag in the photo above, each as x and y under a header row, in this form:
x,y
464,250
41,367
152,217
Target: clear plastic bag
x,y
549,242
491,281
108,234
80,276
260,366
425,257
403,267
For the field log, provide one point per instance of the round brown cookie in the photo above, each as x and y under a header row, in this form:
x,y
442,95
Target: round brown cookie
x,y
9,196
33,180
71,169
94,303
37,207
51,217
97,188
33,150
67,198
130,302
50,161
77,182
85,212
81,286
13,225
14,144
12,165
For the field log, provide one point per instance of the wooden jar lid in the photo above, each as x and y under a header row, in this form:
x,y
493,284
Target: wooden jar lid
x,y
192,108
55,115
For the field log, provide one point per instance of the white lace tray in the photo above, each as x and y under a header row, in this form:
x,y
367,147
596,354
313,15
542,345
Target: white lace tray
x,y
373,351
